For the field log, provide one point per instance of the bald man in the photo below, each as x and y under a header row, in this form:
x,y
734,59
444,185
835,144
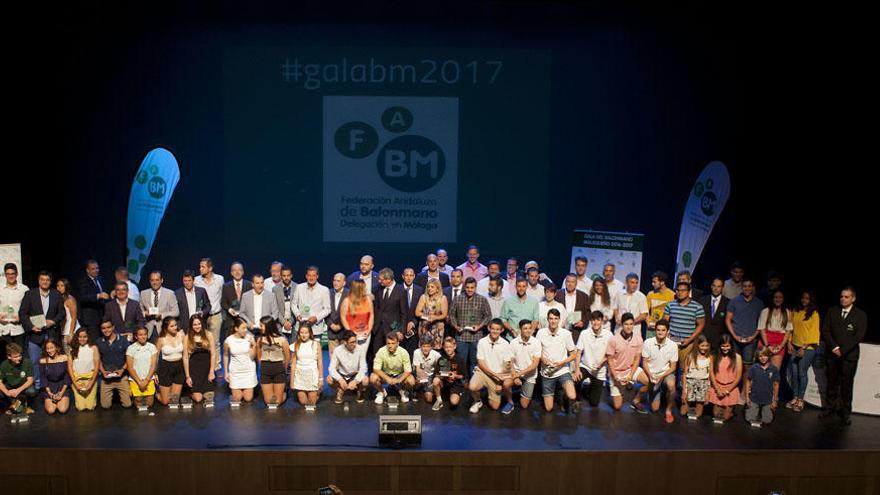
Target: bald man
x,y
366,274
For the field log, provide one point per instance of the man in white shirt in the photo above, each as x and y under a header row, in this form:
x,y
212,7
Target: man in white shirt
x,y
312,302
122,276
213,285
584,282
614,286
493,371
257,303
557,353
534,289
734,285
11,294
348,367
495,295
631,301
592,346
492,268
274,276
659,362
526,359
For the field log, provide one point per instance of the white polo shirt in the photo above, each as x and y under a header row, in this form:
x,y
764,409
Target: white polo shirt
x,y
10,297
556,347
523,355
497,355
593,349
635,303
656,357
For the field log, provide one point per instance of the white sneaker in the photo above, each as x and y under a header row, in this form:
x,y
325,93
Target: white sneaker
x,y
404,397
380,397
476,407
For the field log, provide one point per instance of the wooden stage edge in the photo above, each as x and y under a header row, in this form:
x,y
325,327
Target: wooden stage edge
x,y
734,472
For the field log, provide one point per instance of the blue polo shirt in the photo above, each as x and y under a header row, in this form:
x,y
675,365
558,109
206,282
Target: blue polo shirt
x,y
113,355
762,380
745,315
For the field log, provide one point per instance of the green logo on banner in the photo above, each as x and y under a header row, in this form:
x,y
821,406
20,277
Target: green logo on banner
x,y
156,187
356,139
133,266
397,119
686,259
140,242
141,177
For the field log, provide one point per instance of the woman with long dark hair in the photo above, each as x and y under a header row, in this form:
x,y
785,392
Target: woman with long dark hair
x,y
600,300
198,356
238,361
306,368
725,374
53,366
803,346
776,327
273,353
71,323
171,374
82,364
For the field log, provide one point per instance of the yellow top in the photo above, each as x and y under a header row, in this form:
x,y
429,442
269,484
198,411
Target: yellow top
x,y
657,301
805,332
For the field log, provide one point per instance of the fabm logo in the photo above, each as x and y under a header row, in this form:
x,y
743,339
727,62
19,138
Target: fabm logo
x,y
407,162
708,200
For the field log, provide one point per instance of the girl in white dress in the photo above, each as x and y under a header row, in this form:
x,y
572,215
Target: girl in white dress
x,y
239,352
306,367
71,323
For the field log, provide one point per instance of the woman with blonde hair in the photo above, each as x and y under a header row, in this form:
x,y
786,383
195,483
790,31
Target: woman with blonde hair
x,y
432,309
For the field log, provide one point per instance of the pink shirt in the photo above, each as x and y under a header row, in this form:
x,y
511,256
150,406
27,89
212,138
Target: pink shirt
x,y
477,272
621,353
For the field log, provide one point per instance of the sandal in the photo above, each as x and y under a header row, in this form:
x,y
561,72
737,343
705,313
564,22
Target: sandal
x,y
791,404
798,407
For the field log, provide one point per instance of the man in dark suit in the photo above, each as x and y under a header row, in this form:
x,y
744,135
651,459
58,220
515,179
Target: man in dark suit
x,y
42,301
390,310
338,293
843,329
455,289
230,296
125,314
93,294
715,306
433,271
580,301
366,274
191,300
413,293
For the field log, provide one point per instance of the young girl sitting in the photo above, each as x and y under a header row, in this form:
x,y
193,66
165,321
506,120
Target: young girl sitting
x,y
695,369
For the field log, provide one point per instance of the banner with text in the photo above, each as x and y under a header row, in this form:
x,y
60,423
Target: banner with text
x,y
704,205
624,250
390,169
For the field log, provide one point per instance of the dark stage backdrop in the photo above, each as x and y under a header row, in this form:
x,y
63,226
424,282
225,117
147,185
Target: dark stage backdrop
x,y
548,117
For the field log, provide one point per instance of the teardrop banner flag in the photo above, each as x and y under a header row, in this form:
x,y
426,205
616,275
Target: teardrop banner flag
x,y
151,191
704,205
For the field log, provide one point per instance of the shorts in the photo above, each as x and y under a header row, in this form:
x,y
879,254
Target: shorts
x,y
136,391
484,381
697,389
527,389
548,385
454,387
614,389
272,373
171,373
654,393
747,351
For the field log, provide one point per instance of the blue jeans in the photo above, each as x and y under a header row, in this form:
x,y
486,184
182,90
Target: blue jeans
x,y
468,352
34,351
798,374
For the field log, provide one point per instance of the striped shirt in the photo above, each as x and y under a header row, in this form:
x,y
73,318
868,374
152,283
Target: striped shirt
x,y
683,319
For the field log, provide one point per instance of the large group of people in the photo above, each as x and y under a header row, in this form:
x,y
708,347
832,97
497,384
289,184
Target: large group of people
x,y
438,334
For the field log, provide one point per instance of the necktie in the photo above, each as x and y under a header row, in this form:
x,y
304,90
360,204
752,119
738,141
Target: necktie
x,y
286,293
713,307
387,290
454,293
238,290
98,285
409,297
843,314
156,298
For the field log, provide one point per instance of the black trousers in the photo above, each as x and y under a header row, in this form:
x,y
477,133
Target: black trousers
x,y
593,393
840,374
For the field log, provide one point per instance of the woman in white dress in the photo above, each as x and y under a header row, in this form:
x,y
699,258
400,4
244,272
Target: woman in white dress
x,y
71,323
306,367
239,352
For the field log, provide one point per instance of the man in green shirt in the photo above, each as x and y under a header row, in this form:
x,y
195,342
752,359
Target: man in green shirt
x,y
392,367
517,308
17,380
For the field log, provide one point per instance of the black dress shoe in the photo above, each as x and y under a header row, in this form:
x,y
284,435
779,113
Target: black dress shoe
x,y
844,420
827,413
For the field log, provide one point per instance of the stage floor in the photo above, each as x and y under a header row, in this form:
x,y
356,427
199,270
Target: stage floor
x,y
252,427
